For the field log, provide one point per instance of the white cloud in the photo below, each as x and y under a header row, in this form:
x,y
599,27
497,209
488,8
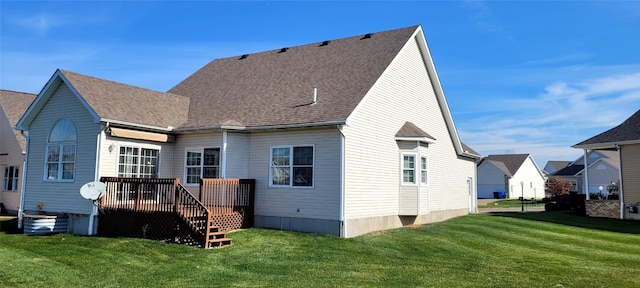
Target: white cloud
x,y
564,114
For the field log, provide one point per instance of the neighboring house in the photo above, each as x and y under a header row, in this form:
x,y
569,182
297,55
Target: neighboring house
x,y
12,148
342,137
515,175
554,165
604,168
624,139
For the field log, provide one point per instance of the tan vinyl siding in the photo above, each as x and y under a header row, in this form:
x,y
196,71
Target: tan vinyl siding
x,y
61,196
14,157
237,155
322,201
109,160
195,140
630,155
403,93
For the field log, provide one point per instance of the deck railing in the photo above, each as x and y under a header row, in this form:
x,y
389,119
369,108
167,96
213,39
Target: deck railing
x,y
193,213
230,200
139,194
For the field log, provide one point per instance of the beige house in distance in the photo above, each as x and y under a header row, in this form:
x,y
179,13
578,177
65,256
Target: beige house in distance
x,y
12,148
342,137
624,139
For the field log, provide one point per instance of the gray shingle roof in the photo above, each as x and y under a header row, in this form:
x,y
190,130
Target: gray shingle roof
x,y
629,130
14,105
570,170
276,87
510,162
411,130
126,103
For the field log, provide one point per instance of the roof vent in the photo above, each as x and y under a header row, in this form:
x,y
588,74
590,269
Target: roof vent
x,y
325,43
244,56
283,50
366,36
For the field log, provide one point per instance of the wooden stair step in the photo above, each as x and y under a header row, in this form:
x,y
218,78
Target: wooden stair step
x,y
217,243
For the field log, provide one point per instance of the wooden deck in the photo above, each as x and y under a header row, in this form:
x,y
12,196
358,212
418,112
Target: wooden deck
x,y
162,208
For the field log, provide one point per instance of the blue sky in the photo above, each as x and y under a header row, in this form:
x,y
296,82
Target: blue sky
x,y
519,76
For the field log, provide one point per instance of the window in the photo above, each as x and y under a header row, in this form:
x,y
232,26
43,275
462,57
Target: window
x,y
138,162
423,170
10,180
202,163
61,152
574,185
292,166
408,169
411,169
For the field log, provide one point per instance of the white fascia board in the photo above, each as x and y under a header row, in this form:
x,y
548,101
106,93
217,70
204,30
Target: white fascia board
x,y
47,91
414,139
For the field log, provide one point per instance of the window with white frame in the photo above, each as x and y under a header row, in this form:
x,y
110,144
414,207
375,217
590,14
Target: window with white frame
x,y
292,166
423,170
412,169
574,185
138,162
61,152
202,163
409,169
10,180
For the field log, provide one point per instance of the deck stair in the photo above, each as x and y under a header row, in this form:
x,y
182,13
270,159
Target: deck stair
x,y
164,209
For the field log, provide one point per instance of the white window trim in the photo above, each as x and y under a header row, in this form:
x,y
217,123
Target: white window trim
x,y
201,151
15,179
290,186
58,178
417,175
415,169
158,158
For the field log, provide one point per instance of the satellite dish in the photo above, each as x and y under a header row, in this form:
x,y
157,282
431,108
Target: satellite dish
x,y
93,190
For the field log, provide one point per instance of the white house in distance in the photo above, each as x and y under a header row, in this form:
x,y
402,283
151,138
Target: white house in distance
x,y
12,148
342,137
514,175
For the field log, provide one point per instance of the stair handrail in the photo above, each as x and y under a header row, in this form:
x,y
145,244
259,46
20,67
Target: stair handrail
x,y
189,204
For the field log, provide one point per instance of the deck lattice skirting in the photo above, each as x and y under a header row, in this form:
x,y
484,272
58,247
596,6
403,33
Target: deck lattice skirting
x,y
163,209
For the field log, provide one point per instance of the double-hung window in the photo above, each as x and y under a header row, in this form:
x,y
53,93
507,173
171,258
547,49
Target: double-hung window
x,y
291,166
138,162
61,152
412,169
10,180
202,163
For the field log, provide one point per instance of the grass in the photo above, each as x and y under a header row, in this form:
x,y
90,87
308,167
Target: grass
x,y
510,203
536,249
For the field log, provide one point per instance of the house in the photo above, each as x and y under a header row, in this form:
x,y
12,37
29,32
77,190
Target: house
x,y
554,165
12,148
624,140
514,175
342,137
603,166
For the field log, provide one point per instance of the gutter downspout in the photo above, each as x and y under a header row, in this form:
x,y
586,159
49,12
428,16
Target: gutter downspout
x,y
343,222
620,183
225,139
24,179
586,175
94,207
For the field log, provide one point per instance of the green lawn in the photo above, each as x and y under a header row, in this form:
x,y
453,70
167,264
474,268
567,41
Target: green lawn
x,y
536,249
507,203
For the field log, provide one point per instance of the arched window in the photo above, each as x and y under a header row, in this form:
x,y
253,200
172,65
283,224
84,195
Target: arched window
x,y
61,151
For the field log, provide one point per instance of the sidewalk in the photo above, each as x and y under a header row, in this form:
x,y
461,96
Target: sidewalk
x,y
527,207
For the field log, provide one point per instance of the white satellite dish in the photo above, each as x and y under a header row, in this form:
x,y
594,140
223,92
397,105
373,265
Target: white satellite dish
x,y
93,190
